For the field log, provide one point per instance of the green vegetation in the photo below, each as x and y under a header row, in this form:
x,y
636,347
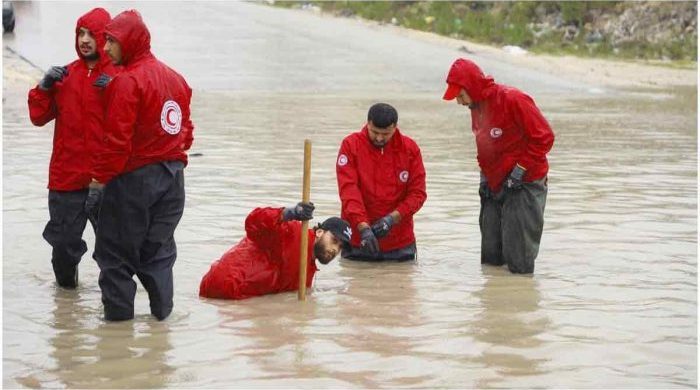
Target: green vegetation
x,y
559,27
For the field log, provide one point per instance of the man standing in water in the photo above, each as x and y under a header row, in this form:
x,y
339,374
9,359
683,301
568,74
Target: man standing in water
x,y
147,133
266,260
512,142
68,95
381,183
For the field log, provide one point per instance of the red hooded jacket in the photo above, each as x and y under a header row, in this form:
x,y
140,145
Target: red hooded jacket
x,y
147,119
508,126
265,261
373,182
78,109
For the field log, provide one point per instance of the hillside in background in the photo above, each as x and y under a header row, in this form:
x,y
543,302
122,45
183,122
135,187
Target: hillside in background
x,y
665,31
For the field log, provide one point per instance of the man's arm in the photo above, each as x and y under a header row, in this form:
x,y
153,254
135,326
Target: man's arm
x,y
262,226
187,124
119,122
42,106
539,134
350,196
416,195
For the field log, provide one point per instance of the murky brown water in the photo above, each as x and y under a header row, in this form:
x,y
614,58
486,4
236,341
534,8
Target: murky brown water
x,y
613,302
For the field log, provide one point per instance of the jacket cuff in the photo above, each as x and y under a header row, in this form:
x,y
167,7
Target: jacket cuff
x,y
104,178
404,211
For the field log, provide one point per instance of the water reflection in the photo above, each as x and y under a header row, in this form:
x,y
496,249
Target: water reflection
x,y
381,313
511,323
106,355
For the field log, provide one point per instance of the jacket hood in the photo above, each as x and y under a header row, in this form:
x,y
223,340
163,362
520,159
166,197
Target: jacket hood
x,y
95,21
469,76
132,34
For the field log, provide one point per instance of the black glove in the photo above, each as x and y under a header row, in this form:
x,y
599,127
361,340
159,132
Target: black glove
x,y
102,81
369,241
515,180
56,73
301,212
484,190
381,228
92,203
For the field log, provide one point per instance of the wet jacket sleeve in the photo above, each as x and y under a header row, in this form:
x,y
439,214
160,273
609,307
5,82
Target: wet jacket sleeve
x,y
262,226
350,196
539,135
42,106
120,120
416,195
187,123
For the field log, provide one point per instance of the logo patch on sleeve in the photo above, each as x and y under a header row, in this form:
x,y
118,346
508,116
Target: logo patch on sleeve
x,y
342,160
171,117
403,176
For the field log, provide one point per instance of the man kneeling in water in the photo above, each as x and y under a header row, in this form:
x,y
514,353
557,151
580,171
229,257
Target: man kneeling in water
x,y
266,260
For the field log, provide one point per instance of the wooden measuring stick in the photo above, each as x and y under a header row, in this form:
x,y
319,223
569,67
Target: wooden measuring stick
x,y
306,189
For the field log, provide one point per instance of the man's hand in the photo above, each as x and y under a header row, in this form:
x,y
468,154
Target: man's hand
x,y
56,73
93,200
484,190
102,81
368,241
301,212
515,180
381,228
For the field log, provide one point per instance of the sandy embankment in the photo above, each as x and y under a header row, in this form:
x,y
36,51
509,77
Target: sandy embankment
x,y
604,73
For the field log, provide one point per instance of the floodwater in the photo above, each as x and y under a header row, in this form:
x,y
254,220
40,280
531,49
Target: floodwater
x,y
612,303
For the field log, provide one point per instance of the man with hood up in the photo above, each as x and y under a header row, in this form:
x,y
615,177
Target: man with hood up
x,y
147,134
381,183
72,95
512,142
266,260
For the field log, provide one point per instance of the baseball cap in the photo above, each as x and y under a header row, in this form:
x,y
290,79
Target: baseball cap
x,y
452,91
340,229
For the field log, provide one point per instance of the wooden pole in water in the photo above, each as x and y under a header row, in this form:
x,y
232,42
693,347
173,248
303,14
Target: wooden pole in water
x,y
303,253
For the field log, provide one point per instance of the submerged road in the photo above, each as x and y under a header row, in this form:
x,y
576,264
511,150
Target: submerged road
x,y
251,47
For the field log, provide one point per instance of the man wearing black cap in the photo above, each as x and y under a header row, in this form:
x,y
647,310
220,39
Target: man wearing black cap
x,y
266,260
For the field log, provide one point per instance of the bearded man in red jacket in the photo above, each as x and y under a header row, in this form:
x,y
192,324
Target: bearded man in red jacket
x,y
512,142
266,260
72,96
381,183
144,152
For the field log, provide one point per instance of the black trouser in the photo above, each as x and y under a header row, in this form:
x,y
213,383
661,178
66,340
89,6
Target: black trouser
x,y
64,231
511,227
140,211
402,254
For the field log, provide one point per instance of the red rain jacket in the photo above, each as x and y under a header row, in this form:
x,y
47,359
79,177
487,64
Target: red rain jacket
x,y
148,106
265,261
373,182
78,109
508,126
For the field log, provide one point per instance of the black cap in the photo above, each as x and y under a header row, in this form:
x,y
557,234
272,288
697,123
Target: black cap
x,y
340,229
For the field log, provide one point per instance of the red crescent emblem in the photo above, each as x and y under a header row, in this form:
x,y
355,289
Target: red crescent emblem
x,y
168,117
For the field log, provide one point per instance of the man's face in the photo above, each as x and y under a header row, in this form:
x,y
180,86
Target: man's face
x,y
326,247
464,99
380,136
87,44
113,50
